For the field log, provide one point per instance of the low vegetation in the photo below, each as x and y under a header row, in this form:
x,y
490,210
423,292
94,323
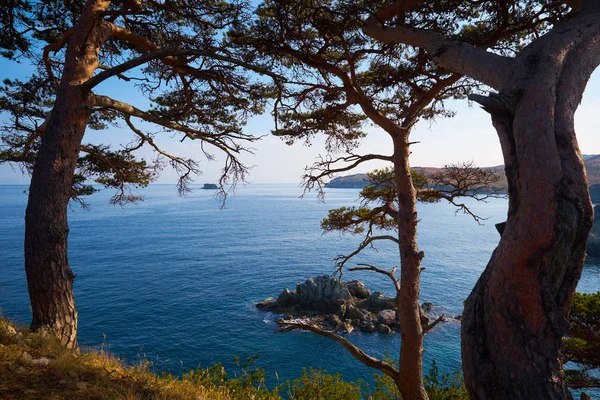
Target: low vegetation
x,y
35,366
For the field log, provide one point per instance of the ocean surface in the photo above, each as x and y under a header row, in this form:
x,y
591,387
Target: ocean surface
x,y
175,279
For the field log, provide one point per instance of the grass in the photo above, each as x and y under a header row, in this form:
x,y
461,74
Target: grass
x,y
36,366
89,374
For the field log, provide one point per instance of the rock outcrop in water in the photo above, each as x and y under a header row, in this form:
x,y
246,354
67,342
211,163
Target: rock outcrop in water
x,y
342,306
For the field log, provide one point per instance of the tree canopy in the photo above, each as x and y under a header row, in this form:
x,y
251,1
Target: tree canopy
x,y
173,54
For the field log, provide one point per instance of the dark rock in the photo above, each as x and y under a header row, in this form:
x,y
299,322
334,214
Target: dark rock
x,y
458,317
377,301
387,317
323,293
287,298
585,396
358,289
210,186
334,321
265,304
367,326
382,328
354,313
341,312
427,306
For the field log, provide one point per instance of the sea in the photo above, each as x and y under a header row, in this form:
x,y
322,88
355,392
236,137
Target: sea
x,y
174,279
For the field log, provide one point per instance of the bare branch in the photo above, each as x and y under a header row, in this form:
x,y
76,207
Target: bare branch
x,y
352,349
391,274
341,259
464,180
184,168
327,169
433,324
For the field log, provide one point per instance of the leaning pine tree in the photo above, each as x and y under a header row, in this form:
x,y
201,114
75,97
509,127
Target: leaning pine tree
x,y
337,81
172,54
517,313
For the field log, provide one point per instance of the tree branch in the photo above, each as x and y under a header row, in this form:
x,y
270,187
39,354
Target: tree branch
x,y
391,274
184,168
54,47
352,349
460,57
433,324
168,57
341,259
309,180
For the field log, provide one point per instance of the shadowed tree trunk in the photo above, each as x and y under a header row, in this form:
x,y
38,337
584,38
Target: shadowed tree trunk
x,y
517,313
49,277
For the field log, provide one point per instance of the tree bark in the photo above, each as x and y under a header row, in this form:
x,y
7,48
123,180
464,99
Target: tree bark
x,y
49,276
410,377
517,313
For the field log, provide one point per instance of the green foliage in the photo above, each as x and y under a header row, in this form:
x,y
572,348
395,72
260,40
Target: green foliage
x,y
206,97
582,343
438,386
378,205
585,309
318,385
109,377
443,386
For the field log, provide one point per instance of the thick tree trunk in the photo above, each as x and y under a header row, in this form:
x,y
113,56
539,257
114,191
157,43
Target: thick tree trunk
x,y
49,277
517,313
410,377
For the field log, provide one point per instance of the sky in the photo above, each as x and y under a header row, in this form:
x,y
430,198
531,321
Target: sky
x,y
469,136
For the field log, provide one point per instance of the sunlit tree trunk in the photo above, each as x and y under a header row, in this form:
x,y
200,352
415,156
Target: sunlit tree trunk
x,y
410,377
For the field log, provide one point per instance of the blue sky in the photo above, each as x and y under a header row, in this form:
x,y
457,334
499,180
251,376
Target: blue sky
x,y
469,136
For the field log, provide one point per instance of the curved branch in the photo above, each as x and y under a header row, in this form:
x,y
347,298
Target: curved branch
x,y
54,47
309,180
352,349
168,57
391,274
341,260
460,57
184,168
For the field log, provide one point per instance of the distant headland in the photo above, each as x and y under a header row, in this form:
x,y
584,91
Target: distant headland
x,y
591,161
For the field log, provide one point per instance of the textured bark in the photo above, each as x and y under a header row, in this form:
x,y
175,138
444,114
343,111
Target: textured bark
x,y
49,276
517,313
410,377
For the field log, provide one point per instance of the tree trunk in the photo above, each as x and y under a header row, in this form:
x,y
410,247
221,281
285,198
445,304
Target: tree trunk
x,y
517,313
49,277
410,377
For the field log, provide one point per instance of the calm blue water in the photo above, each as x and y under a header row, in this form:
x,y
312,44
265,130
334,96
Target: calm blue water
x,y
175,279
